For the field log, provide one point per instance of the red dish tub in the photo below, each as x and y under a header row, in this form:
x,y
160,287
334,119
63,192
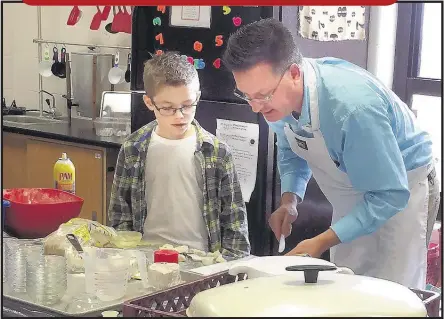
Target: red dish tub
x,y
37,212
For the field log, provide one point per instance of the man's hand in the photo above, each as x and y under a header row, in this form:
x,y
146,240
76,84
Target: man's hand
x,y
310,246
281,219
316,246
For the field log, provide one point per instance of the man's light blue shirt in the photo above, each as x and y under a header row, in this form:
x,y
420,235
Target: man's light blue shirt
x,y
369,132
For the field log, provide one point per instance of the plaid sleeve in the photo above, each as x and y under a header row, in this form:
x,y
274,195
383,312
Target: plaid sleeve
x,y
233,216
119,211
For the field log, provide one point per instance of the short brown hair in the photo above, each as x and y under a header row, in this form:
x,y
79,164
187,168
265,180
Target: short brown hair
x,y
264,41
169,68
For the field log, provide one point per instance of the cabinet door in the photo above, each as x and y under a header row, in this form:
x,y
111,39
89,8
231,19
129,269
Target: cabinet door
x,y
41,157
14,160
111,161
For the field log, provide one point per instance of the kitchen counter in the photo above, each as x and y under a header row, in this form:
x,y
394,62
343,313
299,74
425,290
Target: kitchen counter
x,y
80,131
94,158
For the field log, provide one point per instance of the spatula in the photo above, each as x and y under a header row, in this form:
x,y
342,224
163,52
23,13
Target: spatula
x,y
74,16
126,21
109,26
105,13
117,22
97,20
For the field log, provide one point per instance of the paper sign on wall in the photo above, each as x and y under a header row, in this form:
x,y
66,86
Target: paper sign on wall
x,y
191,16
243,140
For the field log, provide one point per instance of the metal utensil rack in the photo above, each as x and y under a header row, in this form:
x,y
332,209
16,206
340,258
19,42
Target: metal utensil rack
x,y
120,47
40,41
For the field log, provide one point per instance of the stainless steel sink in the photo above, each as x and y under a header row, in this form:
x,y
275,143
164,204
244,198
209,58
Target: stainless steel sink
x,y
31,120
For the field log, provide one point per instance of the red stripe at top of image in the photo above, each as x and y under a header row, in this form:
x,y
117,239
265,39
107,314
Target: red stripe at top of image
x,y
210,2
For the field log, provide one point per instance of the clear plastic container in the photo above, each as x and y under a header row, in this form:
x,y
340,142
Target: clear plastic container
x,y
74,261
46,278
109,126
111,291
107,272
16,254
104,266
112,263
140,257
149,254
89,260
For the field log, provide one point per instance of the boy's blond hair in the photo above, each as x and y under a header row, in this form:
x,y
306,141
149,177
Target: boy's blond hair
x,y
168,69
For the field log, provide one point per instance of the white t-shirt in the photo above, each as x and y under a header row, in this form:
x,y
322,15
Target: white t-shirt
x,y
173,193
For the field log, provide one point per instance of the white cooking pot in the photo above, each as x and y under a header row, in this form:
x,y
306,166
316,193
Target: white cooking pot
x,y
314,288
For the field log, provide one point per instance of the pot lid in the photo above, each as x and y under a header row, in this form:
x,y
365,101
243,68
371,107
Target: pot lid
x,y
274,265
328,294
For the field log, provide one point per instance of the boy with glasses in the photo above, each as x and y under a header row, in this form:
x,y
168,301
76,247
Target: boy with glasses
x,y
174,181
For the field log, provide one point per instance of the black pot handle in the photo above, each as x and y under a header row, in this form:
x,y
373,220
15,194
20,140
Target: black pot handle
x,y
311,271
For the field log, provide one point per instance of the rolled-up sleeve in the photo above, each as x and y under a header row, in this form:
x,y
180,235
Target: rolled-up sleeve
x,y
375,166
293,170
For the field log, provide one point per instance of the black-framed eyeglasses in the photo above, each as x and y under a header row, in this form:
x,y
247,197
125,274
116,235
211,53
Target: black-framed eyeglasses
x,y
170,111
262,100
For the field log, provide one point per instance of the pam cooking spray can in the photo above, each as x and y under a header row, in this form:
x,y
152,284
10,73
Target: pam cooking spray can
x,y
65,174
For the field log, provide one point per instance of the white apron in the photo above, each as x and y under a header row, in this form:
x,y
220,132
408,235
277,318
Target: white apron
x,y
397,251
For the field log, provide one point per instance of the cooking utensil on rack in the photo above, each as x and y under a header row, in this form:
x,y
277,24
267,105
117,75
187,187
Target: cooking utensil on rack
x,y
118,21
46,64
97,20
74,16
116,75
62,65
105,13
56,64
126,21
109,26
128,69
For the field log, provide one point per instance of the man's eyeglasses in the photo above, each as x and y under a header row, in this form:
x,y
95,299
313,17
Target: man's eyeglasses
x,y
170,111
262,100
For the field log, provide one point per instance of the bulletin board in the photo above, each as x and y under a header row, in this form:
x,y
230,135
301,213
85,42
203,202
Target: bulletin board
x,y
153,33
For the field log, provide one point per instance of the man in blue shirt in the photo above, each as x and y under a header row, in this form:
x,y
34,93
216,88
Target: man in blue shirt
x,y
361,143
